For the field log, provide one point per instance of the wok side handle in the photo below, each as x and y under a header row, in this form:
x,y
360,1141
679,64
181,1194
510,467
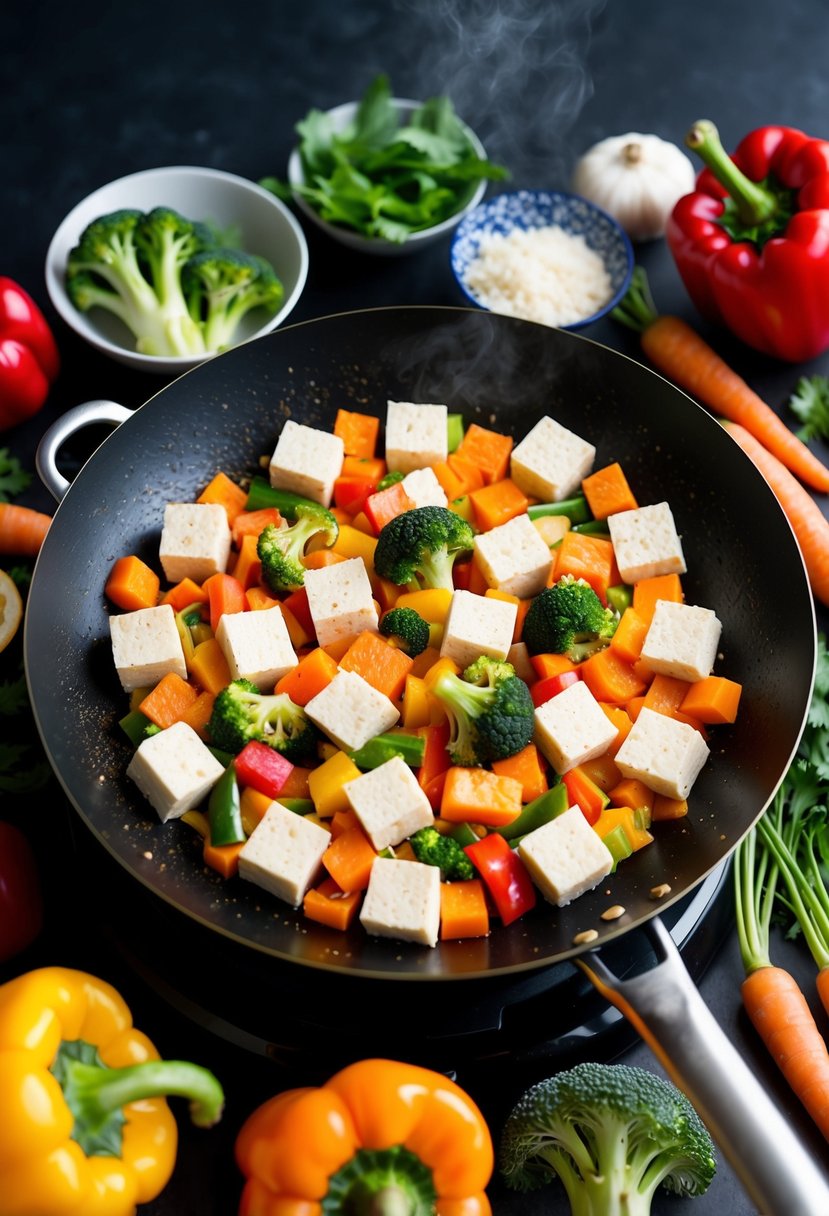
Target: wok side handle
x,y
80,416
665,1007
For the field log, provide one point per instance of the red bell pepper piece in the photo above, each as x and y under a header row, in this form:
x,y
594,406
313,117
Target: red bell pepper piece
x,y
29,359
350,493
262,768
21,899
545,690
585,794
505,876
751,242
386,504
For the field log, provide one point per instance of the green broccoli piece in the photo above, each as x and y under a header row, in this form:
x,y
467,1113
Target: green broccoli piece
x,y
612,1134
490,711
222,286
241,713
280,550
433,849
389,479
568,618
419,547
130,263
408,629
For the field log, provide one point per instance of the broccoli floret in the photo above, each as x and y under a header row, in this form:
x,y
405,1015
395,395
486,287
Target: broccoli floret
x,y
420,546
280,550
490,711
241,713
222,286
612,1134
130,263
389,479
433,849
408,629
568,618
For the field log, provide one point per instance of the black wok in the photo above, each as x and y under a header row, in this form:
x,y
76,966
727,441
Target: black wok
x,y
742,561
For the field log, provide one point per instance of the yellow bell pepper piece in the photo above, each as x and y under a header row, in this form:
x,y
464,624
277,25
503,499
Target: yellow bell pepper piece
x,y
351,542
416,709
326,784
615,816
432,604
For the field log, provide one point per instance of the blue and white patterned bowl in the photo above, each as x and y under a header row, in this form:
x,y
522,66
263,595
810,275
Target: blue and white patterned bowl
x,y
531,209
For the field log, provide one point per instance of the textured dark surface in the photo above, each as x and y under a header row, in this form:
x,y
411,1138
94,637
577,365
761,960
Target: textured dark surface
x,y
94,93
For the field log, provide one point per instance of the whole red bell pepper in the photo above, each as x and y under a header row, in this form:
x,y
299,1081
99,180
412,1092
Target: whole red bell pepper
x,y
29,360
751,242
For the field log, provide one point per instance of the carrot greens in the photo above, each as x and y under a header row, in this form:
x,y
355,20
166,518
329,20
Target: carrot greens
x,y
810,403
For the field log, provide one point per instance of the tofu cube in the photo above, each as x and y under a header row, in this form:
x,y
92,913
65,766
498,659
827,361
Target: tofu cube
x,y
307,461
174,770
424,489
257,646
550,461
646,542
146,646
416,435
403,901
663,754
682,641
389,803
195,541
340,601
476,625
519,656
283,853
513,557
565,857
350,711
572,727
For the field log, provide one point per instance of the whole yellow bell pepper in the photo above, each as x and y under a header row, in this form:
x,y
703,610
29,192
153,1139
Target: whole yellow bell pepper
x,y
84,1130
379,1138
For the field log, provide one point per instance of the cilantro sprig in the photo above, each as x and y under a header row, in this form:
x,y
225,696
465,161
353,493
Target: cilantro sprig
x,y
810,403
13,477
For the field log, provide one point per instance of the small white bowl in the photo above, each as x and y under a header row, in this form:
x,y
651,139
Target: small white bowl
x,y
526,210
265,227
340,117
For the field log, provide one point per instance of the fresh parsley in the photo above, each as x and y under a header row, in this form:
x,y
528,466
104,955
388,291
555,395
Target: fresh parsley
x,y
13,478
810,403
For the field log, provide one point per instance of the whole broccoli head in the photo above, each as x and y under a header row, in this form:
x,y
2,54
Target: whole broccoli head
x,y
434,849
222,286
242,713
568,618
407,628
490,711
280,550
612,1134
420,546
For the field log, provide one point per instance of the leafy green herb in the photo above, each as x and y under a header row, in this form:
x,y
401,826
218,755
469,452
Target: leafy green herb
x,y
14,696
810,403
13,478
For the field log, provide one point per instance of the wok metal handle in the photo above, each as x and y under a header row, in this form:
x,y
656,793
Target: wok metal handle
x,y
88,414
667,1010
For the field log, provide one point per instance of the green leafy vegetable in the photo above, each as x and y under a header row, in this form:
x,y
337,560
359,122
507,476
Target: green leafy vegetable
x,y
13,477
810,403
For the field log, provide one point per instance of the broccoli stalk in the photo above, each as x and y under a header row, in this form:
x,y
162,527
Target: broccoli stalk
x,y
570,619
434,849
419,547
280,550
222,286
612,1134
242,713
490,712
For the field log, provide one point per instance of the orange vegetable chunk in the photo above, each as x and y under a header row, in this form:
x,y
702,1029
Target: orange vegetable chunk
x,y
252,523
328,905
489,451
358,432
610,678
222,857
463,910
629,636
474,795
208,666
497,503
227,494
714,700
607,491
132,584
310,676
590,558
527,767
648,590
169,700
382,666
184,594
349,859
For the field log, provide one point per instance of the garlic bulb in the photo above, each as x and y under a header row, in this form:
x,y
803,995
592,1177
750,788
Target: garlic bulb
x,y
637,179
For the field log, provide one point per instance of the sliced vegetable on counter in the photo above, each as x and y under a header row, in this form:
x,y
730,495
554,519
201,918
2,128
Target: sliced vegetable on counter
x,y
378,1138
752,241
612,1134
638,179
21,896
29,358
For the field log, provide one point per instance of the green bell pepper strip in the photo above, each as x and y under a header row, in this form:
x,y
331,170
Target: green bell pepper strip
x,y
618,845
576,509
535,814
262,494
454,431
620,597
224,810
381,748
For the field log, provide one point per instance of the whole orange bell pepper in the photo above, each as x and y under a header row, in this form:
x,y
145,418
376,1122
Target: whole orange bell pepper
x,y
379,1137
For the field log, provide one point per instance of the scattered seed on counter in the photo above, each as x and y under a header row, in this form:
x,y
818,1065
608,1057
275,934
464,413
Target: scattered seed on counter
x,y
661,891
613,913
587,935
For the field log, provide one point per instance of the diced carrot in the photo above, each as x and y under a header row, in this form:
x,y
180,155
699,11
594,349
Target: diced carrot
x,y
224,594
476,583
665,694
254,806
248,568
714,700
337,648
328,905
310,676
198,714
634,707
358,432
522,608
386,504
349,859
498,502
610,678
603,770
341,821
452,485
435,756
629,636
607,491
297,784
475,795
321,558
468,472
360,521
489,451
252,523
350,493
385,592
648,590
463,910
668,808
424,662
297,603
222,857
259,600
226,493
546,665
527,767
184,594
632,793
588,557
368,468
132,584
209,668
623,723
623,817
168,700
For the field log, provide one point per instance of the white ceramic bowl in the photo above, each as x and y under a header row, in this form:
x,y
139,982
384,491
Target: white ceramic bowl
x,y
340,117
265,227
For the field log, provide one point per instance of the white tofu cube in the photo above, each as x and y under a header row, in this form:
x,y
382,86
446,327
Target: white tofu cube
x,y
663,754
257,646
283,853
416,435
550,461
340,601
646,542
389,803
146,646
476,625
572,727
403,901
307,461
565,857
424,489
195,541
682,640
174,770
519,656
350,711
513,558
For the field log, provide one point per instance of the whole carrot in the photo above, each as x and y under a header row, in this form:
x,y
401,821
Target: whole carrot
x,y
684,357
809,524
22,529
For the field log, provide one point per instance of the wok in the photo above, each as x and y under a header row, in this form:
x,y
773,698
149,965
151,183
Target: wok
x,y
742,561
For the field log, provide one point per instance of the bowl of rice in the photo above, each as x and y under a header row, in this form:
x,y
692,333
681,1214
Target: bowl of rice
x,y
542,255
